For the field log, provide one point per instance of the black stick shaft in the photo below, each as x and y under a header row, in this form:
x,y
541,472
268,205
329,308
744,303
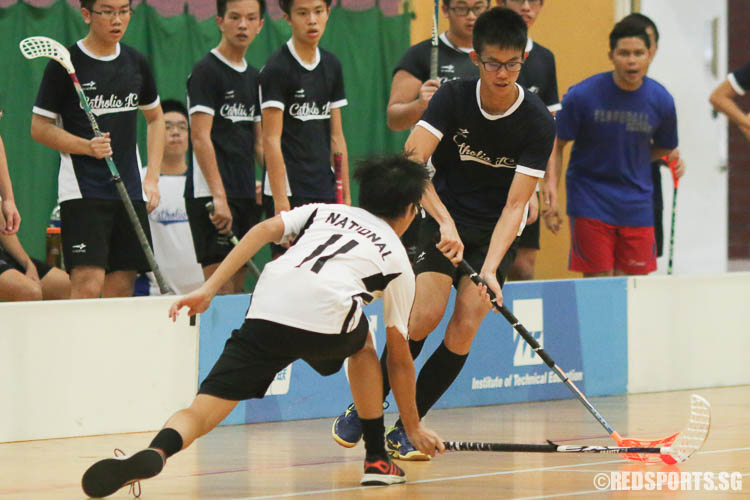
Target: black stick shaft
x,y
546,448
523,332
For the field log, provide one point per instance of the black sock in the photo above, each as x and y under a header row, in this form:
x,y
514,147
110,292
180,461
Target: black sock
x,y
415,347
373,431
384,370
437,374
168,440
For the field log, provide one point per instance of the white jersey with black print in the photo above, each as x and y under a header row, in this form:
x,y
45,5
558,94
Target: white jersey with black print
x,y
172,239
306,93
116,87
228,93
342,258
479,153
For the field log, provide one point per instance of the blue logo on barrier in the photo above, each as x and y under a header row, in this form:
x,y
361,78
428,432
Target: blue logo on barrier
x,y
581,324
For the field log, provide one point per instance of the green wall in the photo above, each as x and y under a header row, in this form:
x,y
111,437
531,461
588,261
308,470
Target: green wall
x,y
368,44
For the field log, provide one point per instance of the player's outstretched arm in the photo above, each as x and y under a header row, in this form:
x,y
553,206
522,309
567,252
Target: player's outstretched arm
x,y
409,99
507,227
155,137
552,215
338,145
273,126
403,384
267,231
722,99
419,147
9,211
200,134
44,131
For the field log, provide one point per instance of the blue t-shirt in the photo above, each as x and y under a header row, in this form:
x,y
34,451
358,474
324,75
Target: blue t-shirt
x,y
609,175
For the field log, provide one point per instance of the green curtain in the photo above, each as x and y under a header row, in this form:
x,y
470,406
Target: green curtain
x,y
368,44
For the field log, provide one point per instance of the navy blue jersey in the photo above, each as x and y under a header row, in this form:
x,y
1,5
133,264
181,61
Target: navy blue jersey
x,y
539,75
453,62
306,93
479,153
740,79
229,94
115,87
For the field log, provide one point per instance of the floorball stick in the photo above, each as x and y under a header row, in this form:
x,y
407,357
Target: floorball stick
x,y
234,241
550,447
675,183
683,444
40,46
434,46
338,160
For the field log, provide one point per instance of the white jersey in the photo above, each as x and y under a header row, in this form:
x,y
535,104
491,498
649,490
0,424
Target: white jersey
x,y
342,258
173,241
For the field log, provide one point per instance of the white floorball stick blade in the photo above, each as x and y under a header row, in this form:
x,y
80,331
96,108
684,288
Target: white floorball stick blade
x,y
41,46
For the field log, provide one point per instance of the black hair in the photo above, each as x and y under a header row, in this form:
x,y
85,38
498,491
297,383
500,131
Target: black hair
x,y
628,28
637,17
221,7
286,5
170,105
501,27
89,4
389,185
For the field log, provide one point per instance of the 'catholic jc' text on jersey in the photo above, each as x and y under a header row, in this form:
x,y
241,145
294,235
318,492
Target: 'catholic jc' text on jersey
x,y
306,94
479,153
229,93
116,87
342,258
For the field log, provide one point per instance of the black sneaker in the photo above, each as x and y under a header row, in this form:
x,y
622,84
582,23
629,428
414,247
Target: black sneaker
x,y
109,475
381,471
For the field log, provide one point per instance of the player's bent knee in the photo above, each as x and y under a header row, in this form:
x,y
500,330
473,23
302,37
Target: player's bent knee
x,y
423,322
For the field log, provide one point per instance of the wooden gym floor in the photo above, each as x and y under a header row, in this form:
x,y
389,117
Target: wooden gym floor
x,y
300,460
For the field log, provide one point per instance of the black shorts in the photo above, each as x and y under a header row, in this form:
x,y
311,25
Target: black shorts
x,y
210,246
7,263
476,242
530,235
260,349
99,233
294,202
410,238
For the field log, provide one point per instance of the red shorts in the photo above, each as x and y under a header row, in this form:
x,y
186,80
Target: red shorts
x,y
596,246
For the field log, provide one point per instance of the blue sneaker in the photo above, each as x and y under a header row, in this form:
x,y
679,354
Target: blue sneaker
x,y
399,446
347,429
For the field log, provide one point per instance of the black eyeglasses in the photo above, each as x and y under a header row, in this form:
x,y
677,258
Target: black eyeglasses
x,y
463,10
111,14
494,66
533,3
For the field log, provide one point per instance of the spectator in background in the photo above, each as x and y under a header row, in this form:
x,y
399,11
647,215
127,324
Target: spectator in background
x,y
12,219
412,88
620,122
170,230
100,246
539,76
21,277
722,98
302,89
226,138
657,165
